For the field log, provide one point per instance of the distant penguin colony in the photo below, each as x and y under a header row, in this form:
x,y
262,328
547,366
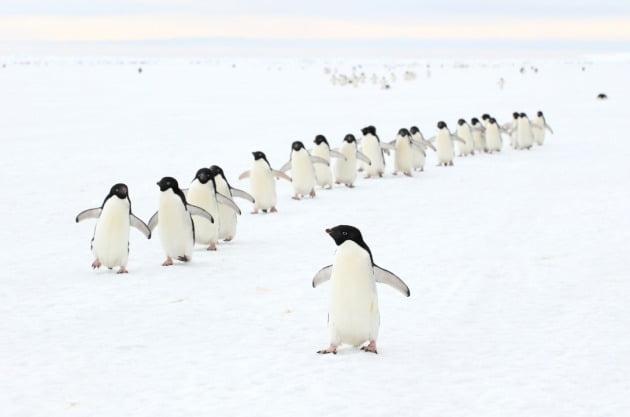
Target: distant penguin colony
x,y
205,213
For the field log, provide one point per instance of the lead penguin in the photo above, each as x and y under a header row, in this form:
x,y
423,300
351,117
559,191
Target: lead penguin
x,y
110,243
353,315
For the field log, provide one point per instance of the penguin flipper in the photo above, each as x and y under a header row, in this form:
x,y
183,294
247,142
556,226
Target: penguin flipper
x,y
458,139
140,225
322,276
386,277
319,160
242,194
431,139
227,201
280,174
198,211
418,145
362,157
336,154
430,145
244,175
549,128
153,221
286,167
92,213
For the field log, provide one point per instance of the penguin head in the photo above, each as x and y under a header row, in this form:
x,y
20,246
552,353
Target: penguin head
x,y
168,182
119,190
343,233
492,120
403,132
349,138
319,139
297,146
461,122
204,175
259,155
539,114
523,115
413,130
474,121
366,130
515,115
441,125
485,116
217,170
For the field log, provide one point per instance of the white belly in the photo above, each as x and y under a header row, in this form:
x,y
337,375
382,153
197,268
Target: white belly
x,y
302,173
402,161
478,140
262,186
444,148
202,195
525,136
175,226
467,147
346,170
353,303
493,138
227,216
539,134
372,149
323,174
111,235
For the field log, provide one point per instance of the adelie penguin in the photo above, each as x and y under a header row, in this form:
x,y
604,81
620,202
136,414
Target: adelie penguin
x,y
478,134
302,170
345,170
323,173
227,215
203,193
494,141
110,243
445,151
262,183
353,314
174,215
403,144
541,126
419,151
464,131
372,148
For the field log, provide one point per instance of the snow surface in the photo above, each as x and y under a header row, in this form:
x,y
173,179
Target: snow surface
x,y
516,261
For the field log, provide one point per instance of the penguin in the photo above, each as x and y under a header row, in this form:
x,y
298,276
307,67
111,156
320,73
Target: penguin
x,y
203,193
444,144
177,230
541,126
262,184
478,134
110,242
323,173
403,156
372,148
345,170
227,215
419,150
525,134
494,142
353,313
302,170
465,132
511,128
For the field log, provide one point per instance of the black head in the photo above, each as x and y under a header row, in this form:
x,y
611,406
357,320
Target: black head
x,y
372,130
413,130
540,114
217,170
297,145
485,116
403,132
441,125
461,122
343,232
515,115
119,190
259,155
474,121
350,138
366,130
319,139
204,175
492,120
522,115
168,182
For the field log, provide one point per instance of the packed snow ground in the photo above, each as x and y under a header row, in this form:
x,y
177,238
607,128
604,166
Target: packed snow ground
x,y
519,285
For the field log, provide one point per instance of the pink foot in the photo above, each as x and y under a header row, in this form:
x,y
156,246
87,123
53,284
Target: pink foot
x,y
96,264
212,246
330,349
122,270
296,197
168,261
370,347
312,193
254,212
274,210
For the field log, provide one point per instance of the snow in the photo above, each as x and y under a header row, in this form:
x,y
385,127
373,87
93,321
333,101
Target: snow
x,y
519,289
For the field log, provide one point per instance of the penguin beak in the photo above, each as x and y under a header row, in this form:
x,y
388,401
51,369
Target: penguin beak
x,y
329,231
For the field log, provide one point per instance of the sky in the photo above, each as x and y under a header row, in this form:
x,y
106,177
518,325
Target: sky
x,y
114,20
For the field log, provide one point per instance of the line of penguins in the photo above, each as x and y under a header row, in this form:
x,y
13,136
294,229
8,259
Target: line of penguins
x,y
206,212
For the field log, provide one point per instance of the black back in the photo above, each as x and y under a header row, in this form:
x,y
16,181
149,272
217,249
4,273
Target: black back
x,y
344,232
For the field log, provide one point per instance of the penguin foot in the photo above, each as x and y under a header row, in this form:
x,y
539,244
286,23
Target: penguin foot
x,y
96,264
330,349
337,182
212,246
228,239
273,210
408,174
254,212
122,270
450,164
183,258
312,193
296,197
370,347
168,261
350,185
380,175
395,173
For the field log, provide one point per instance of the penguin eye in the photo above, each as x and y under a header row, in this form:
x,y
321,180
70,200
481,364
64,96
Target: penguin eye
x,y
344,233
